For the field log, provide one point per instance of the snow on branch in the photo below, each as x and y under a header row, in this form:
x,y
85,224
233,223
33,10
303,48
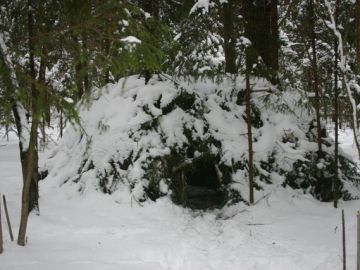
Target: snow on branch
x,y
131,40
203,5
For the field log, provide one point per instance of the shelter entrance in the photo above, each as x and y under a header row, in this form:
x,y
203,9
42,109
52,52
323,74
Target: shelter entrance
x,y
203,185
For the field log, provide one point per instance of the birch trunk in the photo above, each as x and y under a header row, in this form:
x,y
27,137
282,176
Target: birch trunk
x,y
342,66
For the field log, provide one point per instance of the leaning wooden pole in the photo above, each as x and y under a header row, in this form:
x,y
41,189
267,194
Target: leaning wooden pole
x,y
8,219
343,239
358,241
1,235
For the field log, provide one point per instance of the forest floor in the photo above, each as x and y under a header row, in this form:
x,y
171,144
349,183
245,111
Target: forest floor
x,y
94,231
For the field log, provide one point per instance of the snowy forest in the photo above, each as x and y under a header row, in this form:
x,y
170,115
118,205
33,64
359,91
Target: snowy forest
x,y
169,134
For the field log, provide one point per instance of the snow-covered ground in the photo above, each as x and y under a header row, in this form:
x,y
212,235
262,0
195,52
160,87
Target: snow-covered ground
x,y
96,231
346,142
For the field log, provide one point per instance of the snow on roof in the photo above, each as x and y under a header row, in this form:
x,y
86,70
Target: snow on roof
x,y
132,123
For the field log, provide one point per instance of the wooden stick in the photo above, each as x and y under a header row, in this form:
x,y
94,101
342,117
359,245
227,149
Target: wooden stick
x,y
358,240
8,219
344,239
1,236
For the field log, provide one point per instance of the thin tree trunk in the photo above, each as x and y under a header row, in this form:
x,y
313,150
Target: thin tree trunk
x,y
86,64
358,241
249,128
61,123
78,80
325,106
156,9
153,8
8,219
41,83
274,41
1,234
107,53
343,239
43,134
78,67
33,191
358,31
336,116
7,132
229,39
315,76
44,93
261,28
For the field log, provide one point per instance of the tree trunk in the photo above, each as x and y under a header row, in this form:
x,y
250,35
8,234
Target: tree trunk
x,y
78,80
1,234
21,117
21,114
261,28
153,8
24,150
107,46
336,120
274,41
31,156
43,96
25,202
79,67
7,130
33,191
358,31
249,127
61,123
229,39
315,77
343,239
86,63
44,93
